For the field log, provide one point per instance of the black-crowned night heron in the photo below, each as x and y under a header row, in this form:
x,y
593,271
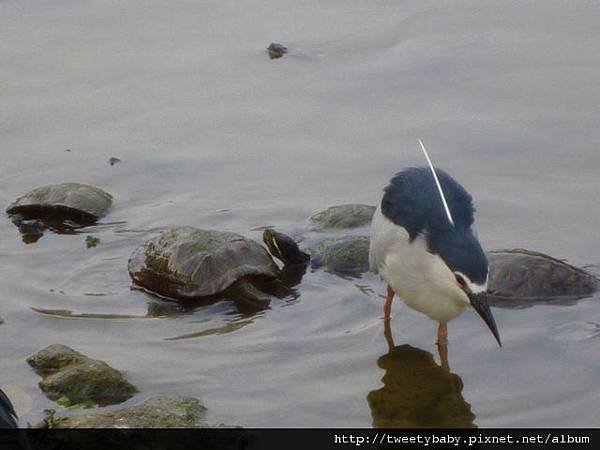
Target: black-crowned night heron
x,y
423,246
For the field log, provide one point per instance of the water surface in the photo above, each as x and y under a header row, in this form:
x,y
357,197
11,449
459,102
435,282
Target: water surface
x,y
212,133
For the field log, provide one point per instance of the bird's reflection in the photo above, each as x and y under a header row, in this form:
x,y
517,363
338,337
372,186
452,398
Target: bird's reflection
x,y
417,392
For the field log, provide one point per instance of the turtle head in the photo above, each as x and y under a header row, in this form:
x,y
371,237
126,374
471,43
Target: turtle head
x,y
284,248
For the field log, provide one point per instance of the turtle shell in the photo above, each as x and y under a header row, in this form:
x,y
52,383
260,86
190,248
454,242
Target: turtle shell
x,y
529,276
76,201
188,263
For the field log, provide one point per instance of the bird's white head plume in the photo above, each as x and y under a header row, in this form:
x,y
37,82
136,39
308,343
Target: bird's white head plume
x,y
437,182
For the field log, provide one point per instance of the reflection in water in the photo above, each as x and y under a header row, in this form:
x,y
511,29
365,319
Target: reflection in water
x,y
224,329
32,226
246,310
417,392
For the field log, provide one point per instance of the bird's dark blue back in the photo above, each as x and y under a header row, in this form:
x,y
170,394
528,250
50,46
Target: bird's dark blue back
x,y
412,201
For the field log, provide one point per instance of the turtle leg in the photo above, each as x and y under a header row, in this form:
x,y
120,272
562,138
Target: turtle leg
x,y
442,344
247,294
387,307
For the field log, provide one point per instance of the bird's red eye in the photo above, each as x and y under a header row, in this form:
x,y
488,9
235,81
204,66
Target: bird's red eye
x,y
460,280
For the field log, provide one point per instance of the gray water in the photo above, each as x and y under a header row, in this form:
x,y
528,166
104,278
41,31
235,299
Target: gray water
x,y
212,133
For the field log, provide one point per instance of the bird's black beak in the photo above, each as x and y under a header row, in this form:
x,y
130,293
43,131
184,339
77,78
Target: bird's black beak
x,y
480,304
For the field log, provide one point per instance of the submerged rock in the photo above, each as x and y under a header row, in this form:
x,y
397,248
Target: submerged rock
x,y
342,216
77,379
276,51
59,207
346,255
156,412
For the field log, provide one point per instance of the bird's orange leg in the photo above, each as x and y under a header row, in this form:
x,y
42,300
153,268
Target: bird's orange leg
x,y
387,332
387,307
443,345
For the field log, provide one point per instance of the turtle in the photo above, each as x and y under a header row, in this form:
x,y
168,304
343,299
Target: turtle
x,y
59,207
519,277
188,263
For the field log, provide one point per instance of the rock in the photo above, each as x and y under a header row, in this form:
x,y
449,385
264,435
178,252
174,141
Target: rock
x,y
346,255
276,51
54,358
77,379
343,216
113,160
156,412
91,241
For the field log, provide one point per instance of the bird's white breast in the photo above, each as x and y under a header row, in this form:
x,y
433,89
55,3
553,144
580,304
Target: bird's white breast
x,y
422,280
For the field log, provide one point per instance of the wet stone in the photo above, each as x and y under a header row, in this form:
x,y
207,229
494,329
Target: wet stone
x,y
91,241
346,255
276,51
156,412
77,379
342,216
114,160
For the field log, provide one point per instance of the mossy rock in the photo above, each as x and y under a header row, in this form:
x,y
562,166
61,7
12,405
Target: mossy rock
x,y
342,216
54,358
156,412
346,255
77,379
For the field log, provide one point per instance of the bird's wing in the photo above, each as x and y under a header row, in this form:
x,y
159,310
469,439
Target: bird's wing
x,y
384,233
